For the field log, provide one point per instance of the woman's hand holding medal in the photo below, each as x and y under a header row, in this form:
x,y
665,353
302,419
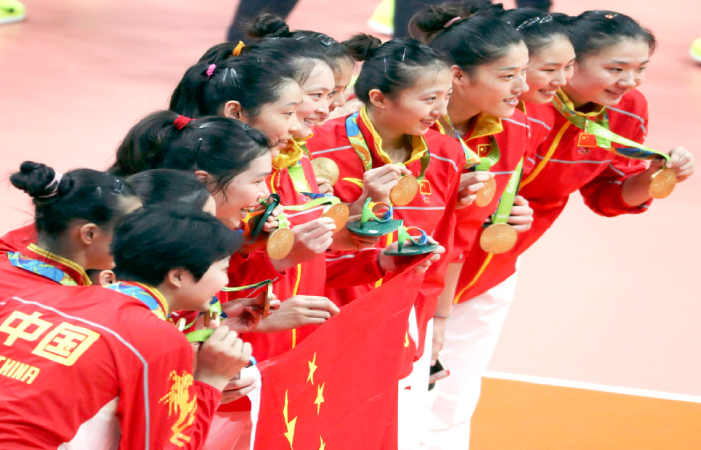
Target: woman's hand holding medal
x,y
659,179
377,184
310,240
471,185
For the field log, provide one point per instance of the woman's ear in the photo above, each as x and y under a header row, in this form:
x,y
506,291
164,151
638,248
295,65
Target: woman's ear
x,y
87,233
174,278
106,278
204,177
232,110
459,77
377,99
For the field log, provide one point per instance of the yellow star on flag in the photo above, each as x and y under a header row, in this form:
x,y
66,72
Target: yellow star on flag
x,y
312,369
322,446
406,340
290,433
319,397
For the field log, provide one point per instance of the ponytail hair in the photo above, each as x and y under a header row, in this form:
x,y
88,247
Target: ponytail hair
x,y
252,81
81,194
391,67
220,146
593,31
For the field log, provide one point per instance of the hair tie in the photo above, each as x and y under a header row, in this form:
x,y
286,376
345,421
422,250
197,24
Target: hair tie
x,y
181,121
452,21
610,16
238,48
210,70
52,188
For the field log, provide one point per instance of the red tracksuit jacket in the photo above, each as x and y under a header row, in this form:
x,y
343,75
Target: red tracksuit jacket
x,y
308,278
87,366
561,168
512,136
431,210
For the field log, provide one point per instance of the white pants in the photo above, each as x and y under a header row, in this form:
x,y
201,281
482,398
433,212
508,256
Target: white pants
x,y
413,393
471,336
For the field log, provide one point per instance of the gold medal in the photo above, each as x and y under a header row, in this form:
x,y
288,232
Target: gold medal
x,y
485,195
280,243
339,213
268,298
326,168
663,183
405,190
498,238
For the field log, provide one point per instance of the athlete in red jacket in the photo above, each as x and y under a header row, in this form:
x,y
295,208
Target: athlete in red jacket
x,y
116,388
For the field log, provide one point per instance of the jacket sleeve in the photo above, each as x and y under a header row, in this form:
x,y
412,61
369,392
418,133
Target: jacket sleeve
x,y
248,269
603,194
161,406
346,269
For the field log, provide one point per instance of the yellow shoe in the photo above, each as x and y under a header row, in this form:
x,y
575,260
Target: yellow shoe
x,y
382,20
695,50
11,11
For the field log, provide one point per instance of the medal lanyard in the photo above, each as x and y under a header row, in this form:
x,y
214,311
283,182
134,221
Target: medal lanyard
x,y
357,141
302,187
506,202
599,128
471,158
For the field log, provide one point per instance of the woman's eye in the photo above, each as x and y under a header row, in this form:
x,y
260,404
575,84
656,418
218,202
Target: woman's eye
x,y
549,70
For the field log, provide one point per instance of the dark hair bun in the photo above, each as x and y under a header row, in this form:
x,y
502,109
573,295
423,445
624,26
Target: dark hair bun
x,y
268,25
362,46
35,179
435,18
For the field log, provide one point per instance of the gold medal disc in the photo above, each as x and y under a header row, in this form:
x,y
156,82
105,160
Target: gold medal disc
x,y
339,213
326,168
280,243
405,190
486,194
498,238
268,298
663,183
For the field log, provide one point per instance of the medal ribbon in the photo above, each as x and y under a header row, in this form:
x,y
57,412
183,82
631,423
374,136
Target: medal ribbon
x,y
357,141
599,127
506,202
471,158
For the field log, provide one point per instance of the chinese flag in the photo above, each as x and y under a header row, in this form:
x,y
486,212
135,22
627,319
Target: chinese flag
x,y
339,386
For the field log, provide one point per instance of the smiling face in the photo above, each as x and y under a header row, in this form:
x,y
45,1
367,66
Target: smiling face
x,y
493,88
278,120
196,295
415,109
548,70
244,192
604,77
338,95
314,109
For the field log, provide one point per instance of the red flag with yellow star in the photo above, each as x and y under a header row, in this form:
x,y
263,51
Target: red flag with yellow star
x,y
338,388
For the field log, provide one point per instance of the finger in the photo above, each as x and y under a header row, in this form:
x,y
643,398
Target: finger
x,y
520,220
239,383
322,304
521,228
322,180
521,211
520,201
219,334
473,188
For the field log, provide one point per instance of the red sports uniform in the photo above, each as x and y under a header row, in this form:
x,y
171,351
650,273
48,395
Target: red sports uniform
x,y
293,175
87,366
431,210
561,168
